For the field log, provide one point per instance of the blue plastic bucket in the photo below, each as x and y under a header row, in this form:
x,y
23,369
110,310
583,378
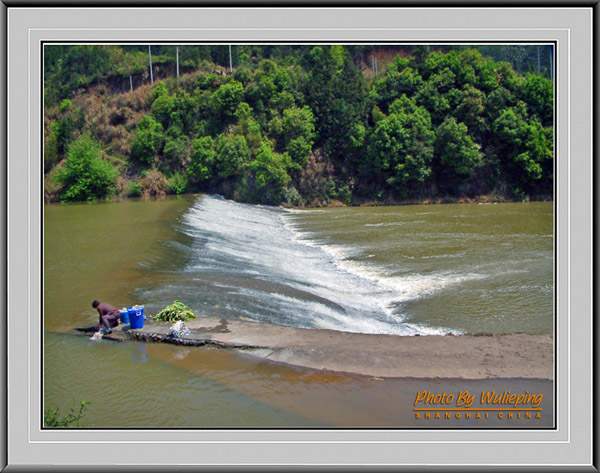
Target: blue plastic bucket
x,y
136,316
124,316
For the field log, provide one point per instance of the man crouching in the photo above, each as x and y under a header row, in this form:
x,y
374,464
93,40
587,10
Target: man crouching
x,y
108,318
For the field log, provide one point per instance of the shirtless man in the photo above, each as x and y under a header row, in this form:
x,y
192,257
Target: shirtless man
x,y
108,318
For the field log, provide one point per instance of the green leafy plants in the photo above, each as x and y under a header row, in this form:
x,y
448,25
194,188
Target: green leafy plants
x,y
149,140
175,311
53,418
202,159
133,189
178,183
85,175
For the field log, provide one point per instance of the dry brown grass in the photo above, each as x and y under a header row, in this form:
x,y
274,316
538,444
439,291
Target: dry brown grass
x,y
154,184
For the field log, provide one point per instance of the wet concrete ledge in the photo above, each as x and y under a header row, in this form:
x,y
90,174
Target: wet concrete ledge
x,y
467,357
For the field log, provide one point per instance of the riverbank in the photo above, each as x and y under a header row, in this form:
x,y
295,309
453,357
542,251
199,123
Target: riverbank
x,y
376,355
479,199
51,196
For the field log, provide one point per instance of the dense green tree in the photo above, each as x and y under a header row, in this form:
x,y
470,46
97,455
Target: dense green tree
x,y
400,148
59,136
253,135
242,75
64,127
298,122
160,90
232,155
267,178
430,98
69,67
175,150
395,84
538,94
178,183
185,112
248,127
496,102
85,175
456,154
387,144
283,100
161,110
226,99
149,140
522,57
299,150
470,110
202,160
507,77
524,147
443,81
336,93
298,130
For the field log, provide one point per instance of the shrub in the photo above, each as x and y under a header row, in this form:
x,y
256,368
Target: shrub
x,y
232,155
153,184
175,150
160,90
268,179
148,141
457,152
161,109
202,159
65,105
178,183
227,98
133,189
52,417
299,150
85,175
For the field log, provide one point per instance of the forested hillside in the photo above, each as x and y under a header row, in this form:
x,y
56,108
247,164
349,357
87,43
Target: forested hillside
x,y
299,125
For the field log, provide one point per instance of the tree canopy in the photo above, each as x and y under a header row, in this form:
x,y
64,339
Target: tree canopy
x,y
306,123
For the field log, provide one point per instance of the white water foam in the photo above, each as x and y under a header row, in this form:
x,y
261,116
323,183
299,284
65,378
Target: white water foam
x,y
394,224
384,224
405,288
327,289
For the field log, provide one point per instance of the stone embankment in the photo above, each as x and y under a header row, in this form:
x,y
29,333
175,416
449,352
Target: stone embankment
x,y
464,356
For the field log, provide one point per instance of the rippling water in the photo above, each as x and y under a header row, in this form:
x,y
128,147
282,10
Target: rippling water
x,y
467,268
127,387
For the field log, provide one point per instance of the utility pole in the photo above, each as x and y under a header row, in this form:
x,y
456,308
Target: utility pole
x,y
230,63
373,63
375,66
130,83
150,56
177,62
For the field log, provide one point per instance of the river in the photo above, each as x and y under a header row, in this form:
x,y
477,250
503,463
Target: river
x,y
406,270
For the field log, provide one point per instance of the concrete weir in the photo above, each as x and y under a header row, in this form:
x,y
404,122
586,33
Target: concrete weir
x,y
432,356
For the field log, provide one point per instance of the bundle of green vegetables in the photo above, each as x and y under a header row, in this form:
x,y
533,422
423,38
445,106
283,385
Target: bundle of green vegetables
x,y
175,311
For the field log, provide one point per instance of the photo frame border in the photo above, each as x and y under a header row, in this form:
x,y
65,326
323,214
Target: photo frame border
x,y
14,275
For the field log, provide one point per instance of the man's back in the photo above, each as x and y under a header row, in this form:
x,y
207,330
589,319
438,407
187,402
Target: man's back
x,y
106,309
